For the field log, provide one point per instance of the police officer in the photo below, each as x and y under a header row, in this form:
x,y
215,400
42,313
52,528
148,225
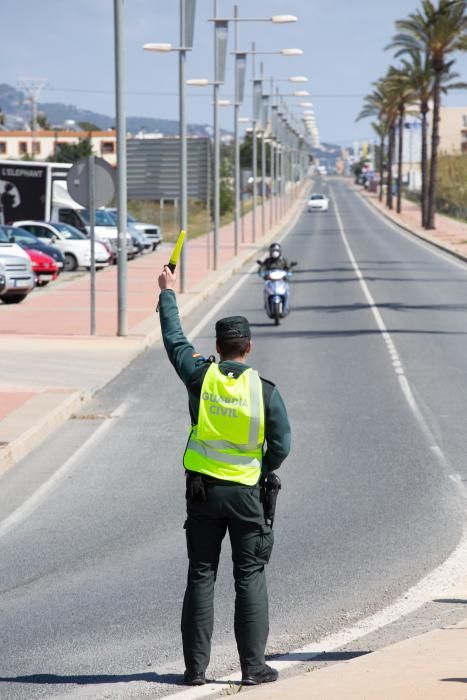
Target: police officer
x,y
239,431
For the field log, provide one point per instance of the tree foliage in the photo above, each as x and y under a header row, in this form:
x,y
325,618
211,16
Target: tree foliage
x,y
72,152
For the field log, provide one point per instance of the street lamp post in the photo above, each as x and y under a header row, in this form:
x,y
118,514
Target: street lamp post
x,y
187,23
257,105
122,217
240,64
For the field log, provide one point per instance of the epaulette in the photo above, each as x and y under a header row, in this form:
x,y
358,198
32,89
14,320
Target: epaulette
x,y
267,381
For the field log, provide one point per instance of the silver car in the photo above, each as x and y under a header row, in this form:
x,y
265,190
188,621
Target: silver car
x,y
18,278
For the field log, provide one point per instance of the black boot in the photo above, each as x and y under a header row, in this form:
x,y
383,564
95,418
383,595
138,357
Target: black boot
x,y
194,678
266,675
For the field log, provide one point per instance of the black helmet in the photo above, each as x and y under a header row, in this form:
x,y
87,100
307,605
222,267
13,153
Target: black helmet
x,y
275,250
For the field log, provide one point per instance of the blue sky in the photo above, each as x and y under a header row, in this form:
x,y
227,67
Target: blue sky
x,y
71,44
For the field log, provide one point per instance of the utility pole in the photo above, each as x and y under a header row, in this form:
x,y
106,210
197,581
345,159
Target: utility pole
x,y
33,88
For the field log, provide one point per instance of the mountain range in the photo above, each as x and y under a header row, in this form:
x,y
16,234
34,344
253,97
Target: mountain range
x,y
16,107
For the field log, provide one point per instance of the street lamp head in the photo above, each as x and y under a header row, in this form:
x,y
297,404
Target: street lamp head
x,y
300,93
198,82
283,19
291,52
298,79
306,104
244,120
224,103
157,47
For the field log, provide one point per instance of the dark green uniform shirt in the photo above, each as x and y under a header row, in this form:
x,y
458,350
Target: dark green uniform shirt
x,y
191,368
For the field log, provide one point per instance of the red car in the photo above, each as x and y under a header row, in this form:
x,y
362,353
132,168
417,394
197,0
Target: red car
x,y
44,267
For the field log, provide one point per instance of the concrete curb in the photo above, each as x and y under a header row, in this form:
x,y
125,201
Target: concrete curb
x,y
43,426
406,228
46,424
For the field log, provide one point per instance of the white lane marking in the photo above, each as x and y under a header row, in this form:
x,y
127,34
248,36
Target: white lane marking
x,y
417,241
390,345
199,326
39,496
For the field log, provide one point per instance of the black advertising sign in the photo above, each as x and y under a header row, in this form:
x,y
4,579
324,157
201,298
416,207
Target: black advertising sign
x,y
23,191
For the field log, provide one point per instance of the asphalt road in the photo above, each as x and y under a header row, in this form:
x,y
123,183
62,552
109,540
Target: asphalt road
x,y
92,576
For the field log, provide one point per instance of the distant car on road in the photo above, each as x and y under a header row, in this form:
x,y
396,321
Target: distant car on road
x,y
318,202
28,241
74,245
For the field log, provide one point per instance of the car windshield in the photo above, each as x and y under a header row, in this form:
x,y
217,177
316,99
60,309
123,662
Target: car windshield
x,y
20,234
317,196
131,219
3,236
69,231
103,218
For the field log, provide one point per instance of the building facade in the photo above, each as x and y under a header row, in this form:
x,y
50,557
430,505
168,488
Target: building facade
x,y
41,144
453,130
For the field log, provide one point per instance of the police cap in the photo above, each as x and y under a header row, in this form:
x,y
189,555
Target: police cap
x,y
232,327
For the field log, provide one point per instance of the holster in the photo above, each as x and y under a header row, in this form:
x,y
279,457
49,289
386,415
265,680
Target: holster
x,y
270,487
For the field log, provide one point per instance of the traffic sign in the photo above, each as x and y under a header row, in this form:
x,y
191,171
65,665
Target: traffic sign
x,y
78,179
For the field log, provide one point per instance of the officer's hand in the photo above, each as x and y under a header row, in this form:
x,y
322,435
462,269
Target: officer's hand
x,y
167,279
194,487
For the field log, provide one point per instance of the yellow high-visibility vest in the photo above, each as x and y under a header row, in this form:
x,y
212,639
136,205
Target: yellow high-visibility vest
x,y
227,442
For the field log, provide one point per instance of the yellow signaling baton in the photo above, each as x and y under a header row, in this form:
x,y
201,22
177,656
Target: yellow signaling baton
x,y
174,258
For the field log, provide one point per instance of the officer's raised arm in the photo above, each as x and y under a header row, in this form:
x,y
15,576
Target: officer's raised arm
x,y
180,351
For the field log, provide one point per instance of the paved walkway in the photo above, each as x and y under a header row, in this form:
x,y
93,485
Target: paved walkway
x,y
431,666
50,366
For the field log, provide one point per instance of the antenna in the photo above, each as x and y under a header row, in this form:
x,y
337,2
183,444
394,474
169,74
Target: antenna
x,y
33,88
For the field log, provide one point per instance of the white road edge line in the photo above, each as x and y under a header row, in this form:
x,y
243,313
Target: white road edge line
x,y
438,582
39,496
426,245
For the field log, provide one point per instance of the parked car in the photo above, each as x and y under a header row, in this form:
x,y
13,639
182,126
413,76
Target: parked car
x,y
2,279
151,231
19,277
8,247
69,229
318,202
73,244
106,229
29,241
43,266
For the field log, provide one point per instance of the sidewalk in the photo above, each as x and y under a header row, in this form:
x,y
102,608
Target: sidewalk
x,y
449,234
50,365
432,666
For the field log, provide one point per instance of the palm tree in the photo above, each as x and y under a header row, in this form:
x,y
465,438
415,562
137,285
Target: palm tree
x,y
420,75
403,94
438,32
380,103
380,129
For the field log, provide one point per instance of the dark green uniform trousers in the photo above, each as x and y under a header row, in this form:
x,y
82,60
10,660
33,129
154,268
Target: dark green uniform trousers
x,y
238,509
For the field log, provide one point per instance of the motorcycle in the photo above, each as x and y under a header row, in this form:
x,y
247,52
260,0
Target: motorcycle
x,y
276,291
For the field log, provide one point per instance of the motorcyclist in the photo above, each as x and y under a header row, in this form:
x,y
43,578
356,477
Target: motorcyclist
x,y
275,259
